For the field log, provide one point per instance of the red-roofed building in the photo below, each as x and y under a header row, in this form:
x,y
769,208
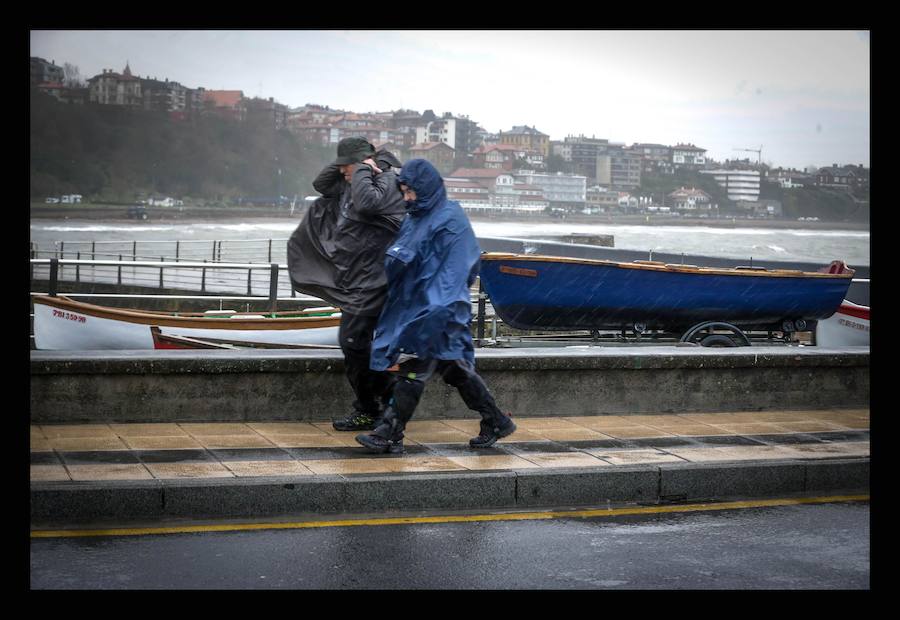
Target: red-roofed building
x,y
225,103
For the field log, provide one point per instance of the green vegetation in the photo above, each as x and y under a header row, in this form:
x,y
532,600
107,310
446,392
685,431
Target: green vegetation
x,y
115,154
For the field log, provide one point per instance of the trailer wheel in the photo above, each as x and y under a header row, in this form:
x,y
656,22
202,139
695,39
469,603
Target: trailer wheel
x,y
717,340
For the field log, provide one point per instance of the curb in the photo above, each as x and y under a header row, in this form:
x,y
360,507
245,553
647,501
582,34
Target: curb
x,y
81,502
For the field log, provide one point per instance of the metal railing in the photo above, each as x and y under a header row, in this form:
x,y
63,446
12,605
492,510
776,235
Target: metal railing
x,y
213,250
247,278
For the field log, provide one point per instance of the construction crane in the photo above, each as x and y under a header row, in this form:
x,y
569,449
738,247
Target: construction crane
x,y
757,151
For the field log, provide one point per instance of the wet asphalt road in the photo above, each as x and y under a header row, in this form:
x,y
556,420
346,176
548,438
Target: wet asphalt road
x,y
819,546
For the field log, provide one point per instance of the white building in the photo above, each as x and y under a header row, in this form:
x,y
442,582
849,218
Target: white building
x,y
559,188
739,184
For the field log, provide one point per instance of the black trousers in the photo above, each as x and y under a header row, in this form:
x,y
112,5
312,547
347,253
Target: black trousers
x,y
371,388
411,378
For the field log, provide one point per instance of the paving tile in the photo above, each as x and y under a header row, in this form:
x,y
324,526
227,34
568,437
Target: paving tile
x,y
738,417
58,431
350,466
250,454
148,430
267,468
444,436
492,462
777,417
627,432
189,470
660,442
541,424
45,458
602,443
463,449
566,434
175,456
657,420
848,435
550,447
110,471
809,427
600,422
48,473
233,441
570,459
84,444
40,444
734,440
285,428
99,457
410,464
470,427
821,450
313,441
162,443
347,453
689,429
634,457
733,453
761,428
428,426
217,428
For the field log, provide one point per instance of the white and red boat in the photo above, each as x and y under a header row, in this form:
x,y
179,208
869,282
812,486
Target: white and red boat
x,y
847,327
63,324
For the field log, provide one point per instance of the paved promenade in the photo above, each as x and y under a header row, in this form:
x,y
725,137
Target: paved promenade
x,y
96,472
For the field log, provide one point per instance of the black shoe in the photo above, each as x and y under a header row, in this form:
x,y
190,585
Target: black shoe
x,y
488,438
380,445
356,421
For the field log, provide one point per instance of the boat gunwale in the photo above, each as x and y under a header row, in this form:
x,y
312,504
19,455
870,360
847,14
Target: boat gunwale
x,y
668,267
197,322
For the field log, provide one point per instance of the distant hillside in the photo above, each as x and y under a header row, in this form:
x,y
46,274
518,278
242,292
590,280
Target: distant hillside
x,y
827,204
110,153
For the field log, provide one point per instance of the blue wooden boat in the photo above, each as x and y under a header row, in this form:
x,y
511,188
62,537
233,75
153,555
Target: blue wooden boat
x,y
533,292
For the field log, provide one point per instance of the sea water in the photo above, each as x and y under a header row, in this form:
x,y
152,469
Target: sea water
x,y
776,244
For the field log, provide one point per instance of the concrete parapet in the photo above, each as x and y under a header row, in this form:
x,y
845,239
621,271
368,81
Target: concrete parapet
x,y
259,385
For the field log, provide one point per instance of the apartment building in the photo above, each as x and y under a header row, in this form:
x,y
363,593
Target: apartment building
x,y
618,168
561,190
740,185
43,72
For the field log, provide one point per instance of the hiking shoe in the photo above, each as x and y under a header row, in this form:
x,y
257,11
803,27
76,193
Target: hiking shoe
x,y
488,438
380,445
356,421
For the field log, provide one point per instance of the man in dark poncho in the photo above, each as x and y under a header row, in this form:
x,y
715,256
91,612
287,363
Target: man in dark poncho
x,y
425,326
337,254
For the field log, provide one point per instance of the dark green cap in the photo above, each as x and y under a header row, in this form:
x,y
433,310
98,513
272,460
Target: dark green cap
x,y
353,150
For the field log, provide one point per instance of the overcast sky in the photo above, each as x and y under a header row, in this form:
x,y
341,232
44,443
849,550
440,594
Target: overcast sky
x,y
801,95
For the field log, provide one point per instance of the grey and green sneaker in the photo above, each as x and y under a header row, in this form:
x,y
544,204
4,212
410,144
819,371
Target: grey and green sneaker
x,y
356,421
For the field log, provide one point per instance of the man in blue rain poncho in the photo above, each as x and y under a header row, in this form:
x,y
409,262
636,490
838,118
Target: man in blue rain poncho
x,y
425,325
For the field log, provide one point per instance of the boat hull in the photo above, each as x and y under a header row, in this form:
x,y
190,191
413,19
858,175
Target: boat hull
x,y
530,292
61,324
848,327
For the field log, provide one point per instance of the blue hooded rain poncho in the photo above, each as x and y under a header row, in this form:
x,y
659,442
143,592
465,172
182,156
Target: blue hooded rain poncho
x,y
430,267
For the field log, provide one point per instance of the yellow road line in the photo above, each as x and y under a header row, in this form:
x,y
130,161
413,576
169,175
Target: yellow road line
x,y
515,516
